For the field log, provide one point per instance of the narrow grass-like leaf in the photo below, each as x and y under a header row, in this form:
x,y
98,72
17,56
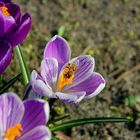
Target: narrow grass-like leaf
x,y
78,122
23,67
7,85
58,119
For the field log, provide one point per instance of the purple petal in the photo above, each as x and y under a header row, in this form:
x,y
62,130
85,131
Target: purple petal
x,y
92,86
38,133
58,48
14,11
71,98
36,113
7,23
40,87
85,66
2,24
49,71
24,28
11,110
5,55
10,24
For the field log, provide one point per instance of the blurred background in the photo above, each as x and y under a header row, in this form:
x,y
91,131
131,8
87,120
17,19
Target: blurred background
x,y
109,30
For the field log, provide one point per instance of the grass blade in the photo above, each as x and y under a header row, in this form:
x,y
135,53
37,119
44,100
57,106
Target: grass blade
x,y
78,122
7,85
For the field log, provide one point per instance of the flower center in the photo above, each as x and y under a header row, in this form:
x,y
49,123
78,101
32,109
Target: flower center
x,y
66,76
13,132
5,11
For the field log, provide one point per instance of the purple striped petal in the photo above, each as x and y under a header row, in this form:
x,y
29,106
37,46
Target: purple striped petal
x,y
59,49
92,86
5,55
71,98
49,71
24,28
38,133
36,113
11,110
85,66
39,86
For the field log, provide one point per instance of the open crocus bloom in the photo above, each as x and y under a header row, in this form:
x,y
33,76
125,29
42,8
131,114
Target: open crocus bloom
x,y
13,30
23,120
69,80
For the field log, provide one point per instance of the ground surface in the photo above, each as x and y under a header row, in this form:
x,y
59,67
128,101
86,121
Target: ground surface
x,y
109,30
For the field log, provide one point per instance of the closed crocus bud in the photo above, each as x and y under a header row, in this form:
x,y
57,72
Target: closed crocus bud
x,y
14,27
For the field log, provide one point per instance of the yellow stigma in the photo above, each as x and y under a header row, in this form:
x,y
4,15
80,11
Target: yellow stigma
x,y
5,11
66,76
13,132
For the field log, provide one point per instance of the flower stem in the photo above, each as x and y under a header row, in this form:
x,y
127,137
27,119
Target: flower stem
x,y
23,66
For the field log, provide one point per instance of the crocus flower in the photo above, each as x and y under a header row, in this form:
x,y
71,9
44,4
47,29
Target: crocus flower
x,y
23,120
69,80
13,30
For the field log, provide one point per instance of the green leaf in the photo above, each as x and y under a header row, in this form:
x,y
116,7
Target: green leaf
x,y
23,67
7,85
73,123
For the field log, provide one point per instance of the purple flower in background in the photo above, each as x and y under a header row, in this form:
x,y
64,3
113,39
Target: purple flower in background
x,y
5,1
69,80
23,120
13,30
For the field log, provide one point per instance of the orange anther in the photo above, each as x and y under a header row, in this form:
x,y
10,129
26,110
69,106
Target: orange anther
x,y
13,132
5,11
66,76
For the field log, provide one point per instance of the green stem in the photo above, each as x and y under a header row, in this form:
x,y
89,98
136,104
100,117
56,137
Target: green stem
x,y
23,66
73,123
